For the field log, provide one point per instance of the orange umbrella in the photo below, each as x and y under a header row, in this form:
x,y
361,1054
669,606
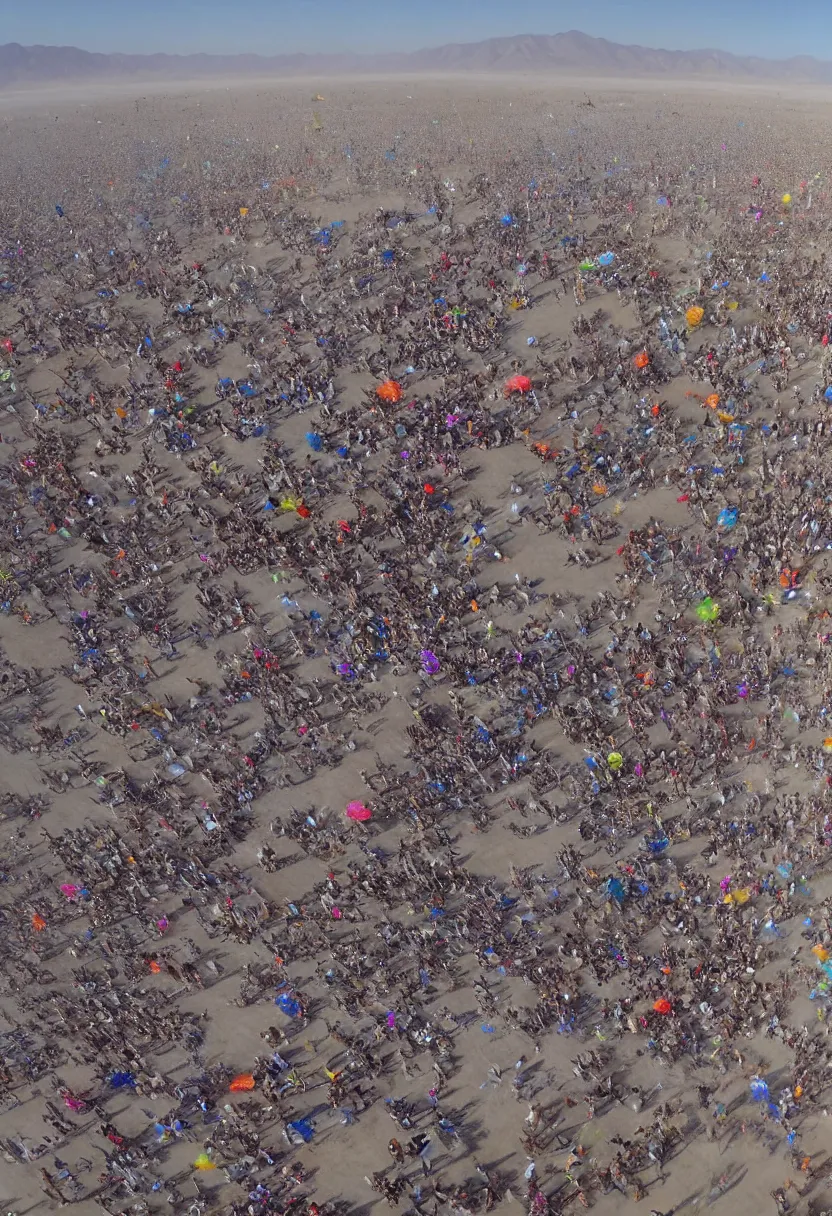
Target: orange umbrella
x,y
517,384
662,1005
38,923
242,1083
641,360
390,391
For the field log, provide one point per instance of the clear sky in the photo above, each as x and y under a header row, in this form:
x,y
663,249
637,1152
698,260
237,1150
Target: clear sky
x,y
756,27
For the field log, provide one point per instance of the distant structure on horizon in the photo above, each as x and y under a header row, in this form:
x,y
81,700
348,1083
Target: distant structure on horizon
x,y
572,53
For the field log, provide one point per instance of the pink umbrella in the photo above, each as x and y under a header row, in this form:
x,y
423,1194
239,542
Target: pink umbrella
x,y
358,811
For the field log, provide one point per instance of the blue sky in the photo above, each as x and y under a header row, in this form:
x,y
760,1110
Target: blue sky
x,y
758,27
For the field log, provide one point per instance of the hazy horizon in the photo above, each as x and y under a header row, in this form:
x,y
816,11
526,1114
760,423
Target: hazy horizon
x,y
274,27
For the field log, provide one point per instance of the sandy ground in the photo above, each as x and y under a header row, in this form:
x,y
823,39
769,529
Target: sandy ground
x,y
97,155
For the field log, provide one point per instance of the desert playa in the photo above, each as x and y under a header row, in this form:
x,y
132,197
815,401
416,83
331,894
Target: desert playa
x,y
415,644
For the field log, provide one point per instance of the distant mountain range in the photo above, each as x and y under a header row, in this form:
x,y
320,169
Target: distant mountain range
x,y
572,53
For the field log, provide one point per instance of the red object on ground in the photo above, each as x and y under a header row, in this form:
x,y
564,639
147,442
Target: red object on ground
x,y
517,384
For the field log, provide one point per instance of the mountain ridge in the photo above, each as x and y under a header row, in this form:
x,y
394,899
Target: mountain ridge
x,y
569,53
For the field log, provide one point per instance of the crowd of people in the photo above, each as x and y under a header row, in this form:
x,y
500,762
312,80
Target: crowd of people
x,y
415,653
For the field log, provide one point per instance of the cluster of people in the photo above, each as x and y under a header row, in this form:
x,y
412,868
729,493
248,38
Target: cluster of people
x,y
414,647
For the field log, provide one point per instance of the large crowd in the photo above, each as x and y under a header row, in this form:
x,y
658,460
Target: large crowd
x,y
415,649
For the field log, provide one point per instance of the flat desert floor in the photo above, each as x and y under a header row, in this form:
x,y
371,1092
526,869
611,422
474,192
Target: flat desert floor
x,y
454,453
